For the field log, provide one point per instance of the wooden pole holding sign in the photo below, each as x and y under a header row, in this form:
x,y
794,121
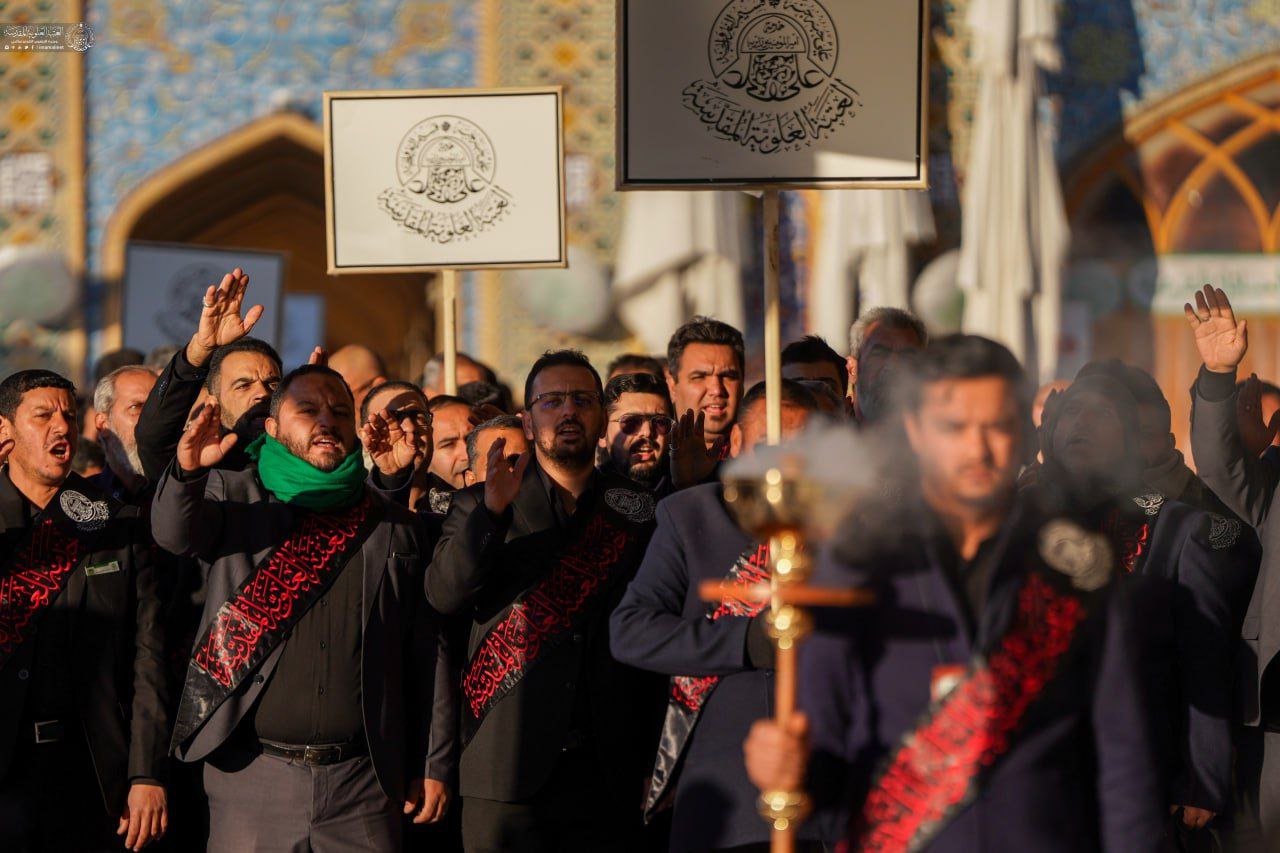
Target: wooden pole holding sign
x,y
772,317
449,344
397,200
716,135
783,840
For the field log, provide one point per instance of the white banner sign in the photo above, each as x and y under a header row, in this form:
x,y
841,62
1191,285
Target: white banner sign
x,y
1252,281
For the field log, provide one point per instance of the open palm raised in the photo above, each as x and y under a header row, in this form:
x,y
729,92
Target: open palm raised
x,y
1221,339
220,320
202,444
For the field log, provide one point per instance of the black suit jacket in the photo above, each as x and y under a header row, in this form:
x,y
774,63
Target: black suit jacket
x,y
662,625
1250,487
482,565
230,522
115,644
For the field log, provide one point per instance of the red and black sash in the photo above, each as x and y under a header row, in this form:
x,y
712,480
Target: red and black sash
x,y
44,558
688,694
940,767
602,555
254,620
1131,537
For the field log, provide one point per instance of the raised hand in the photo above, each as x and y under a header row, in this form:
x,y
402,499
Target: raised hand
x,y
1221,339
1255,434
319,357
692,462
202,444
502,482
220,320
392,445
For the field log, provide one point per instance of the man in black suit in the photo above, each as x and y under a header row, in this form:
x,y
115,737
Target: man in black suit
x,y
236,371
318,692
1247,483
557,735
1178,564
719,658
988,700
83,728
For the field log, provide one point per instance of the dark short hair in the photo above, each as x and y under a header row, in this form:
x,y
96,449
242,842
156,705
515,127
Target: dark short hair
x,y
482,393
393,385
473,437
15,385
704,330
560,358
116,359
632,362
439,401
243,345
1140,384
277,396
960,356
635,383
812,349
794,394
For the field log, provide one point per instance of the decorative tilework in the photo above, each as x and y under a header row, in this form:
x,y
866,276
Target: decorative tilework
x,y
168,76
1122,56
553,42
41,114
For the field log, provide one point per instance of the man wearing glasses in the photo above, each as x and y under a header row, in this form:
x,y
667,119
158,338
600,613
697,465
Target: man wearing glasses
x,y
636,435
557,736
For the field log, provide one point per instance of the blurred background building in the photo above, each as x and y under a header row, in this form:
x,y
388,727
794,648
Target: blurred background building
x,y
197,122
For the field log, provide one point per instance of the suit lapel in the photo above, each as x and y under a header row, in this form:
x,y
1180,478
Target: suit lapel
x,y
374,554
532,506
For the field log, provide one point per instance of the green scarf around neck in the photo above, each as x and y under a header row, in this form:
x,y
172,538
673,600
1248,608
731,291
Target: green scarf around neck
x,y
296,481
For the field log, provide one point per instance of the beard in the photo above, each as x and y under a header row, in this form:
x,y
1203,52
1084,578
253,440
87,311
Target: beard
x,y
301,448
647,473
579,457
122,459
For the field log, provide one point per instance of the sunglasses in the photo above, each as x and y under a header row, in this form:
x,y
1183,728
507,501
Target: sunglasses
x,y
633,423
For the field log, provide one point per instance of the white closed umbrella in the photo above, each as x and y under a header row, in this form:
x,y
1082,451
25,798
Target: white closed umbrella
x,y
1015,234
680,254
863,255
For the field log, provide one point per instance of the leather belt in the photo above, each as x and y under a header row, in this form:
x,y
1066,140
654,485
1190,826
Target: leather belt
x,y
48,731
314,755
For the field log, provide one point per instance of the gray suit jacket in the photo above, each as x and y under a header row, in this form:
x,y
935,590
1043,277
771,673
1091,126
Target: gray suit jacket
x,y
1248,487
230,522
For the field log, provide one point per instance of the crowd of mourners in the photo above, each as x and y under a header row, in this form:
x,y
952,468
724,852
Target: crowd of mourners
x,y
334,610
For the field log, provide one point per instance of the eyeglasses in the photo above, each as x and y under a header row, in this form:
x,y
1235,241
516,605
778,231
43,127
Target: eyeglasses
x,y
633,423
554,400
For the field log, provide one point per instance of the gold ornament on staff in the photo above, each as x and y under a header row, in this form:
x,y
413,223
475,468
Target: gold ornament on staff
x,y
794,496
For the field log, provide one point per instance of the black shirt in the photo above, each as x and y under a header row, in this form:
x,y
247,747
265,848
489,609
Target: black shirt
x,y
969,578
581,716
314,694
